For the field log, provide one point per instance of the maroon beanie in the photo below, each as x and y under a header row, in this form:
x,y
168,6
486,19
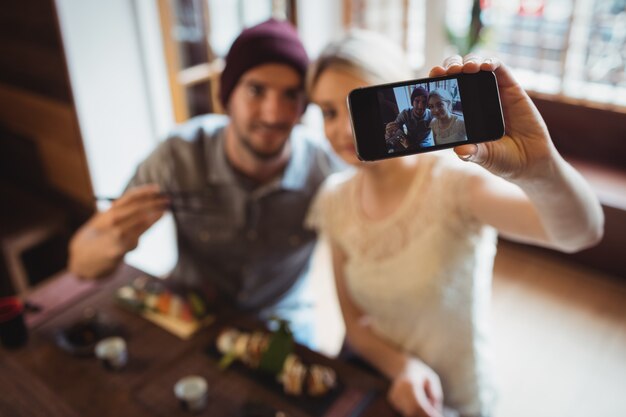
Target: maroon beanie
x,y
270,41
418,91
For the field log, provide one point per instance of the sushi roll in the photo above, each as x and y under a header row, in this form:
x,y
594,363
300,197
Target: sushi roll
x,y
320,380
293,375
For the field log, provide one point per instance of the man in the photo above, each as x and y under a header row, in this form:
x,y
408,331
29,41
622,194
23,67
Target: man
x,y
416,120
239,186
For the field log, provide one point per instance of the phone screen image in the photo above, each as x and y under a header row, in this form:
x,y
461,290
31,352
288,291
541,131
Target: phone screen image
x,y
425,115
422,115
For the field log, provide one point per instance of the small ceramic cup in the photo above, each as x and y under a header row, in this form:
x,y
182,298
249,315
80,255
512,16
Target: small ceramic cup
x,y
192,393
112,352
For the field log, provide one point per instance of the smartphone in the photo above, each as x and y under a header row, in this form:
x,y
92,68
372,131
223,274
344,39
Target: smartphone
x,y
425,115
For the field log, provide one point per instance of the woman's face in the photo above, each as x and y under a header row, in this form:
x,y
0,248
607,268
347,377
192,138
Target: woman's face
x,y
438,107
330,94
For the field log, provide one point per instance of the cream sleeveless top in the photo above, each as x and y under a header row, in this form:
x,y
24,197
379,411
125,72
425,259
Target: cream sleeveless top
x,y
453,133
423,274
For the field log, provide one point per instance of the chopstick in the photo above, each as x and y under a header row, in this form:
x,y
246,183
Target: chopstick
x,y
170,194
180,206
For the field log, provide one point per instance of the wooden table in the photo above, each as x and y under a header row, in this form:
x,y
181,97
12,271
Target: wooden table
x,y
41,379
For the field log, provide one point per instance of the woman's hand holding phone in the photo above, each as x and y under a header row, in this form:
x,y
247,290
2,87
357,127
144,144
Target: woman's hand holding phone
x,y
526,148
430,113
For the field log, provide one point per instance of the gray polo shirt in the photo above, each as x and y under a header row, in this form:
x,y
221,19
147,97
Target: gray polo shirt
x,y
249,242
419,132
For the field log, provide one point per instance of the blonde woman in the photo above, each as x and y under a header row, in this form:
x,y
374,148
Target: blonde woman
x,y
447,127
413,239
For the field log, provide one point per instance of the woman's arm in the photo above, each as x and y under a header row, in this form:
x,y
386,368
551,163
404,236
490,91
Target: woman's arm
x,y
386,358
556,210
415,389
434,127
552,204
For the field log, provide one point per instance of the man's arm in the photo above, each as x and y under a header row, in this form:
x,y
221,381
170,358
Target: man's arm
x,y
391,129
98,247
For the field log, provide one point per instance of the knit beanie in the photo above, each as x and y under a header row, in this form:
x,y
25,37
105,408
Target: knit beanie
x,y
272,41
418,91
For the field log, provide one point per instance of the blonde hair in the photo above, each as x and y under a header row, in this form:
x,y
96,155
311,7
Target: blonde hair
x,y
364,54
443,94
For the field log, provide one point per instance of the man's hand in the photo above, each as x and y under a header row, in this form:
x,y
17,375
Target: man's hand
x,y
526,147
390,129
417,391
101,243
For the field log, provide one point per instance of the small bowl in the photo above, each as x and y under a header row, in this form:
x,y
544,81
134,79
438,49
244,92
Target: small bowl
x,y
192,393
112,352
81,337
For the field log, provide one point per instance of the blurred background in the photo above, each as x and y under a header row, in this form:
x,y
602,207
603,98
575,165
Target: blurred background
x,y
88,88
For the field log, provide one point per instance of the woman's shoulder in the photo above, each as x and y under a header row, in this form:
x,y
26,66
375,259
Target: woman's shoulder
x,y
338,182
328,204
452,182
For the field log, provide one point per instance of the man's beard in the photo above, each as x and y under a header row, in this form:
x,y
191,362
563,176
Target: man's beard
x,y
260,155
419,115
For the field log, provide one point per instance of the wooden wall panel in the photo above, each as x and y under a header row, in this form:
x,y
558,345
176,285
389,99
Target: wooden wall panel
x,y
61,165
53,127
36,97
34,68
585,133
32,54
31,21
33,115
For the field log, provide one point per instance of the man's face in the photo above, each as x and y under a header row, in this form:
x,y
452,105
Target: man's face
x,y
419,106
264,106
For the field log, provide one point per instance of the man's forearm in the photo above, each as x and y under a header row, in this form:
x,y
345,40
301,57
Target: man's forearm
x,y
91,256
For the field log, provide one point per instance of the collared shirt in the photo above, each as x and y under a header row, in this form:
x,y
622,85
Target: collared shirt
x,y
418,129
249,242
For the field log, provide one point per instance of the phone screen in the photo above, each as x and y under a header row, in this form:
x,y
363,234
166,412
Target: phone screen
x,y
425,115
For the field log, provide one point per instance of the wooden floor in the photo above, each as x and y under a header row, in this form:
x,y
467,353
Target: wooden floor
x,y
559,334
559,337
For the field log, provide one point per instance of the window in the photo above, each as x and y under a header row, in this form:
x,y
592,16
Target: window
x,y
573,49
196,36
227,18
402,21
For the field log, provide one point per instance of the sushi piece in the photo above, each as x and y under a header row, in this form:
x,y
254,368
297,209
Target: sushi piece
x,y
293,375
320,380
253,348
